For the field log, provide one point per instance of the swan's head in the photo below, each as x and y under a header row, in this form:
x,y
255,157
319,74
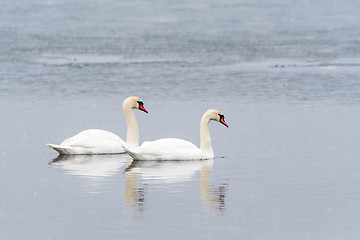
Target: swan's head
x,y
216,115
134,102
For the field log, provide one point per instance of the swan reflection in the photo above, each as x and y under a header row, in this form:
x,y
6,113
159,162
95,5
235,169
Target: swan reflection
x,y
140,174
213,197
95,167
167,171
134,196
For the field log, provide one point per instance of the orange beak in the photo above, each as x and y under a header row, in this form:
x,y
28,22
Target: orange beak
x,y
223,122
142,108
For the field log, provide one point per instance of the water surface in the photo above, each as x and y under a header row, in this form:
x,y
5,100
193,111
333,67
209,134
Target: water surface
x,y
284,74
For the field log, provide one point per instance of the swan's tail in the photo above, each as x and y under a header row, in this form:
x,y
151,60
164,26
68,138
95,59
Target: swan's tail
x,y
62,150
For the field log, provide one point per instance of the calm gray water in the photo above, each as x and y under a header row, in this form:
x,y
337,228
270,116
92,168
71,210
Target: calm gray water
x,y
285,75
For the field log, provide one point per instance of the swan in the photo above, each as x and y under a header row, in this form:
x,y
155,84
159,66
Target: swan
x,y
178,149
96,141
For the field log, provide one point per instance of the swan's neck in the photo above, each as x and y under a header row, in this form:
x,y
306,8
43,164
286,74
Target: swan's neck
x,y
132,135
205,139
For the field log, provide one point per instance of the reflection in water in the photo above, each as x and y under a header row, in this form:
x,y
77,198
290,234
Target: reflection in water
x,y
169,172
95,167
134,196
213,197
139,174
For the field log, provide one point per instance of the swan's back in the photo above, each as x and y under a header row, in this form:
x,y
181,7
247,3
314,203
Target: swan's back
x,y
92,138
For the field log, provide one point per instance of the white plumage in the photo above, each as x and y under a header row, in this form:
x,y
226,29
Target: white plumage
x,y
92,141
178,149
96,141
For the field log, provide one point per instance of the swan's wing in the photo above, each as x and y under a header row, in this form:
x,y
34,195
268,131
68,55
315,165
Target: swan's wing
x,y
92,138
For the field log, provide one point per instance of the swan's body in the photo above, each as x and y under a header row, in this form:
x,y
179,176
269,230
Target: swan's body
x,y
92,141
178,149
167,149
95,141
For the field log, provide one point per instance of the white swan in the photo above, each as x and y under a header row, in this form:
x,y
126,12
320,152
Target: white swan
x,y
178,149
95,141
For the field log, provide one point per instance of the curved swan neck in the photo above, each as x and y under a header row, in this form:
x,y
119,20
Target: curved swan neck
x,y
132,135
205,139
